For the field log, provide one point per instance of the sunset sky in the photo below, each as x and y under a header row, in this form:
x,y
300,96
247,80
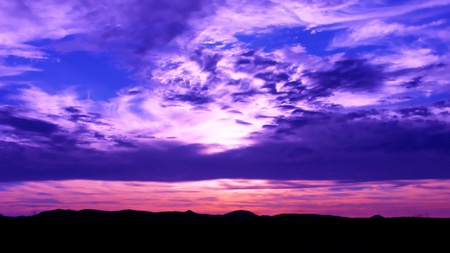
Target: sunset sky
x,y
273,106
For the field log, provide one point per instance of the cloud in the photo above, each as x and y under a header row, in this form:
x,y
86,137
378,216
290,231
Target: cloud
x,y
349,74
27,124
131,30
25,21
370,130
195,97
23,51
361,145
6,70
378,32
419,198
142,25
126,29
214,106
234,17
410,59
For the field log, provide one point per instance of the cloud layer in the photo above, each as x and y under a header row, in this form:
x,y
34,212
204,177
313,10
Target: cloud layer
x,y
418,198
322,90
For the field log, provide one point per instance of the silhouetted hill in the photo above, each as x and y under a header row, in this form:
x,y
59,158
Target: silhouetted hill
x,y
241,214
237,231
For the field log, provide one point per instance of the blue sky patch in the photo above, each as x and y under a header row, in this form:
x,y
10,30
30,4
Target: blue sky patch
x,y
315,42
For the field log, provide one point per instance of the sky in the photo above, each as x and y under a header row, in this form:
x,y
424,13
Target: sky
x,y
272,106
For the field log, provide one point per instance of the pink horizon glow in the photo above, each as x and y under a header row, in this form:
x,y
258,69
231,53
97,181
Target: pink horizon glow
x,y
400,198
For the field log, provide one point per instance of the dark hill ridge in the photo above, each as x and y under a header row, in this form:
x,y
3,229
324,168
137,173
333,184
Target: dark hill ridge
x,y
237,231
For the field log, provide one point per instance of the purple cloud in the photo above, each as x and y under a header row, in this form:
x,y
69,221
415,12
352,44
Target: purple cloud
x,y
235,103
333,146
203,97
27,124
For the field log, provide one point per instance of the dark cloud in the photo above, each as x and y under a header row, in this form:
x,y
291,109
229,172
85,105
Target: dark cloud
x,y
143,25
264,62
131,92
272,77
442,104
186,88
131,29
243,122
282,80
244,96
47,135
287,107
307,144
271,88
99,136
192,97
254,61
356,75
123,143
415,82
72,109
371,135
360,114
294,91
27,124
415,111
269,126
326,149
290,126
234,111
61,142
206,61
369,130
418,72
308,113
249,53
76,114
243,62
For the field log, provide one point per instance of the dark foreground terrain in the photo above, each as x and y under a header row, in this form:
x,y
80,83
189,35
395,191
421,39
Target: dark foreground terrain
x,y
238,231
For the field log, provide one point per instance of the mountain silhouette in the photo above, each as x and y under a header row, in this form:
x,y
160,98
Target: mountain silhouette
x,y
242,214
236,231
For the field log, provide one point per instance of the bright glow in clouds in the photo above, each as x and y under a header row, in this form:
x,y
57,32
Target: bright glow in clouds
x,y
425,198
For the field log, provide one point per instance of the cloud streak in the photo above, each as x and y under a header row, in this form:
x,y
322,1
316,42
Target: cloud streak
x,y
420,198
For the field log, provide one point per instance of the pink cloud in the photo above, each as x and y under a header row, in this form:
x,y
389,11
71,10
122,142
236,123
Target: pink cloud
x,y
15,70
264,197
